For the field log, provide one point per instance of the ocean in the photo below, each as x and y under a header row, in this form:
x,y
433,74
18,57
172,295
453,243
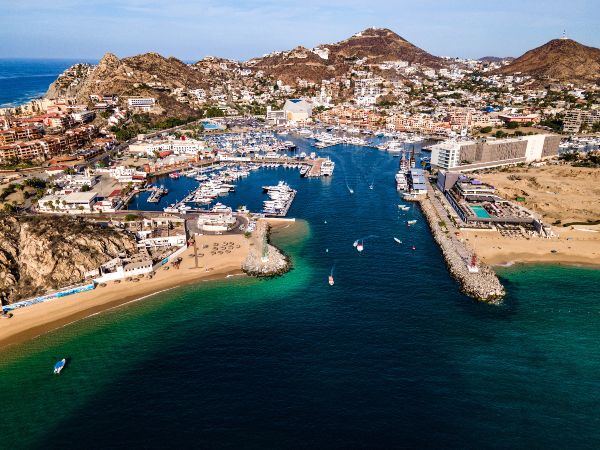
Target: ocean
x,y
393,355
22,80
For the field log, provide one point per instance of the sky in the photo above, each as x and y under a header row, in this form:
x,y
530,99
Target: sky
x,y
192,29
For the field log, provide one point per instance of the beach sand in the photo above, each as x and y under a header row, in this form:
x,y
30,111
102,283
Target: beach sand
x,y
35,320
572,247
558,193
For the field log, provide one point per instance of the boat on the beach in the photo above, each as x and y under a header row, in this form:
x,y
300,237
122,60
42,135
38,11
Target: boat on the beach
x,y
59,366
397,240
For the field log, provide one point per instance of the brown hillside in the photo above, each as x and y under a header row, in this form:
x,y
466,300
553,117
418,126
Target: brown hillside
x,y
560,59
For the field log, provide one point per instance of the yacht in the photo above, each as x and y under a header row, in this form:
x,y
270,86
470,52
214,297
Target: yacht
x,y
327,167
401,182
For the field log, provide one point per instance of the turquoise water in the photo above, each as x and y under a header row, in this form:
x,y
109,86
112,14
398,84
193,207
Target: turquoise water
x,y
480,211
392,355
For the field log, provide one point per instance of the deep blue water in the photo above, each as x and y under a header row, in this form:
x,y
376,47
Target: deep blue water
x,y
392,355
22,80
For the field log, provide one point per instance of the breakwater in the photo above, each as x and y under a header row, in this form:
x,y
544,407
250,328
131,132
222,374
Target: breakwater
x,y
264,259
483,284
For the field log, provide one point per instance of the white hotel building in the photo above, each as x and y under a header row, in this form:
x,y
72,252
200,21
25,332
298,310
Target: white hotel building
x,y
142,103
178,147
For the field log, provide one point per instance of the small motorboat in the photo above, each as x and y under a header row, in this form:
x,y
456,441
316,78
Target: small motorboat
x,y
414,248
59,366
397,240
411,222
360,247
331,282
355,243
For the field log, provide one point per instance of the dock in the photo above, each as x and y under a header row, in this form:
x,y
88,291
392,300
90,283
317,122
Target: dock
x,y
315,168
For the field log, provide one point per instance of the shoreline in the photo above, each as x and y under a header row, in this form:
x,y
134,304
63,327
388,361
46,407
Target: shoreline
x,y
36,320
66,320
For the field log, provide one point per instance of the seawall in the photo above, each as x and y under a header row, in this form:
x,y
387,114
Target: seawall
x,y
264,259
482,285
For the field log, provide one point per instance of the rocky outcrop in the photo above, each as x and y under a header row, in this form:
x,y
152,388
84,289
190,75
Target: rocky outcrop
x,y
483,285
43,253
264,259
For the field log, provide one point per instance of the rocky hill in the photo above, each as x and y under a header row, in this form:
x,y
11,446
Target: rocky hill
x,y
42,253
373,46
560,59
149,74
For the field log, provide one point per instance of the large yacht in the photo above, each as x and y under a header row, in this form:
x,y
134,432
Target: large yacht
x,y
327,167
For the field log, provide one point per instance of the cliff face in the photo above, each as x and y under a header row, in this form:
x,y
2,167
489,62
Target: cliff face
x,y
39,253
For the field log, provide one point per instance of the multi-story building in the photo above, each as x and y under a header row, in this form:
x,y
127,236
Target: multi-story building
x,y
141,103
575,119
472,155
12,135
83,116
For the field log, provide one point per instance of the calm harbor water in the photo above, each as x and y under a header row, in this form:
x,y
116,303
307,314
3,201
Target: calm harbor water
x,y
393,355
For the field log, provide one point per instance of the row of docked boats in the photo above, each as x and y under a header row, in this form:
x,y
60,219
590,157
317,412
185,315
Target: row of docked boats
x,y
281,197
325,139
257,142
157,193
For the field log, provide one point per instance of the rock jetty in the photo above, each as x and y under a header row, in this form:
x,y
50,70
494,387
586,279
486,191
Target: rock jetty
x,y
264,259
482,285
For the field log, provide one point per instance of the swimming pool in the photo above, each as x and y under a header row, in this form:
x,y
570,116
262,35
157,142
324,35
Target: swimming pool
x,y
210,125
480,212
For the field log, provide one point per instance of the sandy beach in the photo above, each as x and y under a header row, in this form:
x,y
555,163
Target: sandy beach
x,y
572,247
35,320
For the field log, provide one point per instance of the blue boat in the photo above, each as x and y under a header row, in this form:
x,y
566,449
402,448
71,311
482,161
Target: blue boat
x,y
59,366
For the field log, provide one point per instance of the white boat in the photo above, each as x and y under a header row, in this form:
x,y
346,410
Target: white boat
x,y
411,222
397,240
360,247
327,167
59,366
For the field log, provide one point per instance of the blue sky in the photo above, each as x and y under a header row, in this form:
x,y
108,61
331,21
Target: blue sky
x,y
192,29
